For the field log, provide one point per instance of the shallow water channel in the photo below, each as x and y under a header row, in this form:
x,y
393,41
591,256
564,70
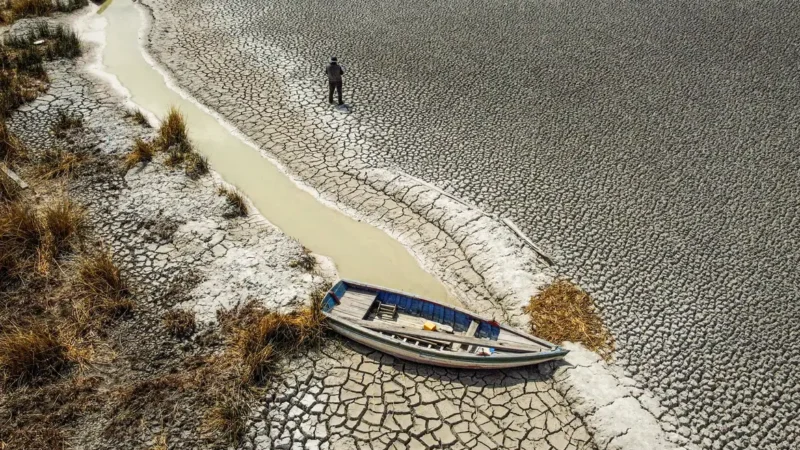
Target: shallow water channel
x,y
360,251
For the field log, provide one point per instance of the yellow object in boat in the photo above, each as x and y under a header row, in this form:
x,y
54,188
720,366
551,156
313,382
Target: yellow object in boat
x,y
429,326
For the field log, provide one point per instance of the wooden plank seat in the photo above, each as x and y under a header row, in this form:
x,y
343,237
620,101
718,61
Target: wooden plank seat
x,y
354,304
387,311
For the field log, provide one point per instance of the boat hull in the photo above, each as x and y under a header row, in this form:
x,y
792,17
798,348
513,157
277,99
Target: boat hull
x,y
421,356
352,310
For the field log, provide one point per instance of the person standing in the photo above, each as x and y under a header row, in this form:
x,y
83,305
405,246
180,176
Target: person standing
x,y
334,72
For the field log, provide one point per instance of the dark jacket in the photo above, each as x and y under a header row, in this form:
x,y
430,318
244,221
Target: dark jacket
x,y
334,72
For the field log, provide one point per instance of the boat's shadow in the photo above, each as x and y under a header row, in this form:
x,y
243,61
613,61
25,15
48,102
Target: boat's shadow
x,y
467,377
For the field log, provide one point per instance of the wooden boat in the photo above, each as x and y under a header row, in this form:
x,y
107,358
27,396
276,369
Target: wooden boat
x,y
395,323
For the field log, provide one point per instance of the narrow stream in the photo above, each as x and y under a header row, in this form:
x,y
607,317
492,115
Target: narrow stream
x,y
360,251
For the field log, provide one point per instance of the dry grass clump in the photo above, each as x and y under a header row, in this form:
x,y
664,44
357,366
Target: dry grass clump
x,y
235,200
66,122
104,293
31,240
306,261
173,139
180,323
172,132
56,163
22,73
133,401
36,437
176,155
36,416
142,152
31,355
23,241
208,383
138,117
259,337
11,149
228,417
17,88
66,224
62,43
195,165
9,190
31,8
221,386
564,312
13,10
59,42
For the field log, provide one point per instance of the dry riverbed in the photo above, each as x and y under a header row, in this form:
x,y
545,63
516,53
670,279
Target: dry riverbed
x,y
164,373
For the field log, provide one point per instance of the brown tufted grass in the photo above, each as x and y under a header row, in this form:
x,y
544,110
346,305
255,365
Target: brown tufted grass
x,y
31,8
23,241
142,152
30,355
228,416
11,149
42,414
104,295
58,163
173,139
160,443
564,312
9,190
306,261
139,117
235,200
18,9
222,386
180,323
22,73
172,132
195,165
31,240
66,223
259,337
17,89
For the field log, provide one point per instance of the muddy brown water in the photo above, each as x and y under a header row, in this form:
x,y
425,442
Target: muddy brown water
x,y
360,251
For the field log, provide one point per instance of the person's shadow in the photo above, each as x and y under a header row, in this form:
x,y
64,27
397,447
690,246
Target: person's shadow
x,y
343,108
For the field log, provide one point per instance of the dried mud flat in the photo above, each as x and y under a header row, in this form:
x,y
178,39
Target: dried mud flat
x,y
173,241
651,145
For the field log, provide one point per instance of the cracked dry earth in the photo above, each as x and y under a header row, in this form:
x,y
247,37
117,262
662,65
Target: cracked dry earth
x,y
171,239
353,397
651,145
